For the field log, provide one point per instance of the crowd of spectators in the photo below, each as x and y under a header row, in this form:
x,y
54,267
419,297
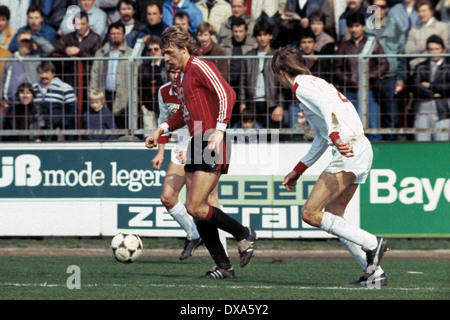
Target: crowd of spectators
x,y
70,94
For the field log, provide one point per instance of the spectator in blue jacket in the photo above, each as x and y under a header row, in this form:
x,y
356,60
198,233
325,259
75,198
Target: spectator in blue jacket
x,y
53,10
405,15
170,7
35,19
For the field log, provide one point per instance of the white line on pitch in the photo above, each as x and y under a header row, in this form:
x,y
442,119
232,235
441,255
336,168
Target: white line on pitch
x,y
49,285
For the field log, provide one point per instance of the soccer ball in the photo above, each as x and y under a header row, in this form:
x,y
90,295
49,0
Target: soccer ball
x,y
126,248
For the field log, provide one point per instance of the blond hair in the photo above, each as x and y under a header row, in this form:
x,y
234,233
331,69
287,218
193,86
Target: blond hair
x,y
290,61
97,95
178,37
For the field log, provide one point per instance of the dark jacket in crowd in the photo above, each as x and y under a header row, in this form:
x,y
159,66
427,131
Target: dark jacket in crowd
x,y
88,45
101,120
150,78
321,68
215,51
439,84
155,30
346,70
249,76
25,117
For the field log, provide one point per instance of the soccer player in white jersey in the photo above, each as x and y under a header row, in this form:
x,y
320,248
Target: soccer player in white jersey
x,y
175,176
336,123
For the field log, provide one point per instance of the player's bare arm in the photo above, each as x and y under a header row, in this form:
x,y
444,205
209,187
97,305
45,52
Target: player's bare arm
x,y
290,180
159,158
345,148
152,140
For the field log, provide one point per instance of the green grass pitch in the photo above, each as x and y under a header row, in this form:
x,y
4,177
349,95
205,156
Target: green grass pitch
x,y
102,278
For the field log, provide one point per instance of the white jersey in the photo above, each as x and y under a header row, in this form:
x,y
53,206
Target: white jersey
x,y
327,110
168,105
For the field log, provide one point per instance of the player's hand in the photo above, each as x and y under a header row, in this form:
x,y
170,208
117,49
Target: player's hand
x,y
152,140
215,140
344,148
181,156
158,161
290,180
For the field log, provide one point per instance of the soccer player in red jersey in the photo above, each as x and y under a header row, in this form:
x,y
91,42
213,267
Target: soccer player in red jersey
x,y
206,101
175,175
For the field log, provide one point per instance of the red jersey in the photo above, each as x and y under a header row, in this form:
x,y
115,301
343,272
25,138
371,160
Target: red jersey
x,y
205,98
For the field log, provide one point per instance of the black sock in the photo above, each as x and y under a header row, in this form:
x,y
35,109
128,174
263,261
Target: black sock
x,y
210,236
221,220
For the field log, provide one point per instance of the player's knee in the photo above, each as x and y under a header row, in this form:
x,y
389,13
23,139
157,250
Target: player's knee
x,y
168,201
309,216
193,209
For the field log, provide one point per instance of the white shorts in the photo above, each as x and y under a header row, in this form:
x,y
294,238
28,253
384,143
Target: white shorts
x,y
359,164
179,146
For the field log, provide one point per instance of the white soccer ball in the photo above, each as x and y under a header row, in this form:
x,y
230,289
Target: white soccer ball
x,y
126,247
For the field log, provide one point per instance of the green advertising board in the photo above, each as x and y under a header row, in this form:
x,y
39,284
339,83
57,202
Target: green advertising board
x,y
80,173
407,193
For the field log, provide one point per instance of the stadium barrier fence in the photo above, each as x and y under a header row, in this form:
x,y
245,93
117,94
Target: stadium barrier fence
x,y
141,91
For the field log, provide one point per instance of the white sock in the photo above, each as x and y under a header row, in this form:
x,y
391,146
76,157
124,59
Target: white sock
x,y
343,229
360,256
223,240
179,213
356,251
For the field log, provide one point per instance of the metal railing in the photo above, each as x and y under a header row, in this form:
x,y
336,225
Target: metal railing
x,y
134,128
